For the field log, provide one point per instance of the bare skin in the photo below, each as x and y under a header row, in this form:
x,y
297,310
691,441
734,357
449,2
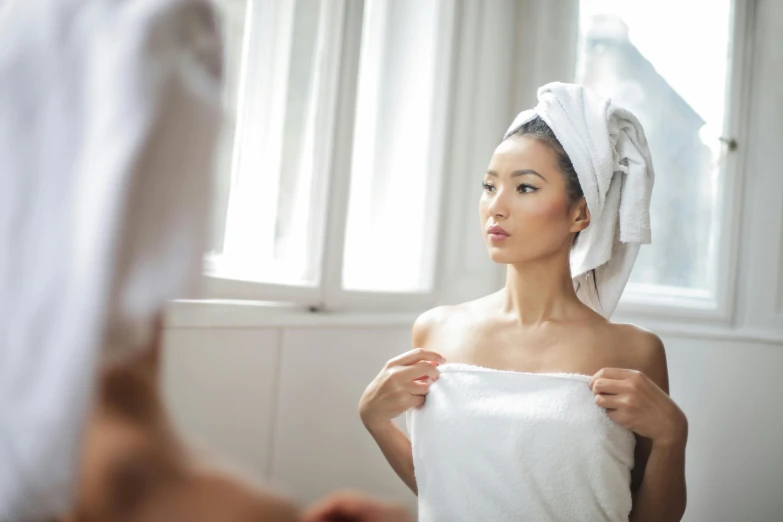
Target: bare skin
x,y
135,468
352,507
537,324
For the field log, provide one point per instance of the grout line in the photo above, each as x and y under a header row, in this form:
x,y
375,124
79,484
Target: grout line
x,y
275,421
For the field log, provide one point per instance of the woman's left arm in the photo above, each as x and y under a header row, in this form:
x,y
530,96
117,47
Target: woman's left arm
x,y
661,494
639,400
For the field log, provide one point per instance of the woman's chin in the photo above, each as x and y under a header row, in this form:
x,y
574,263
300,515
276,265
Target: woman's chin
x,y
498,256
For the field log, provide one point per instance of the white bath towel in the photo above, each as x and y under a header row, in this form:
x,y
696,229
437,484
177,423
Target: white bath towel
x,y
609,151
108,116
501,446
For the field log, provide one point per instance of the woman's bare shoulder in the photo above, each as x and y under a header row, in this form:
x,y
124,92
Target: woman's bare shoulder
x,y
436,320
644,350
426,323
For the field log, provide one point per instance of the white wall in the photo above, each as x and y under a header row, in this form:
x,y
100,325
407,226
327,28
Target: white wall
x,y
731,393
278,393
282,402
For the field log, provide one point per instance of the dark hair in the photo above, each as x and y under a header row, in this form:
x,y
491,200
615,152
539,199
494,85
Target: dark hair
x,y
539,130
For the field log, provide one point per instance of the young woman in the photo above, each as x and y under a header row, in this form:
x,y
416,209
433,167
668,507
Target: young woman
x,y
532,333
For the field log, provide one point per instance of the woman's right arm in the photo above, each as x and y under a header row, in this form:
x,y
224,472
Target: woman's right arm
x,y
402,384
397,449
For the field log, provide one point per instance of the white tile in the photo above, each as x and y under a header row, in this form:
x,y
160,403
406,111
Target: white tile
x,y
731,393
220,386
320,443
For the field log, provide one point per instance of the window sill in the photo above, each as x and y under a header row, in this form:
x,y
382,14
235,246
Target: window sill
x,y
669,307
263,314
224,314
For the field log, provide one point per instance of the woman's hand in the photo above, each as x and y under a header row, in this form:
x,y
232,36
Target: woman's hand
x,y
635,402
402,384
352,507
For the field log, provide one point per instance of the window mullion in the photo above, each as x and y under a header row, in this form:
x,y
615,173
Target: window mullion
x,y
339,174
733,174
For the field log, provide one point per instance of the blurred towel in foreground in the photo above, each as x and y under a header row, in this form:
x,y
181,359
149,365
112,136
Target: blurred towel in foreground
x,y
109,113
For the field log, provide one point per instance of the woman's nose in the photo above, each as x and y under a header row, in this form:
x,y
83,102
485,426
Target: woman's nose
x,y
498,207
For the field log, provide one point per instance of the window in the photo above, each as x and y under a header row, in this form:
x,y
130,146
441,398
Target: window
x,y
275,183
292,66
331,166
395,177
672,72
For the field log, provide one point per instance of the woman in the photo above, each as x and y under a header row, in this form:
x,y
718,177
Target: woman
x,y
523,339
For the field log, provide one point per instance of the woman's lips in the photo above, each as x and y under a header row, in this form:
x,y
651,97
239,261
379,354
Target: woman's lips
x,y
496,233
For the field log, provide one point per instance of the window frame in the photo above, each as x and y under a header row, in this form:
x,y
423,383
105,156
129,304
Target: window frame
x,y
720,308
340,97
635,303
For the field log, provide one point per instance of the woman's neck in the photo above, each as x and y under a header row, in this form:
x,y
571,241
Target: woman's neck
x,y
540,291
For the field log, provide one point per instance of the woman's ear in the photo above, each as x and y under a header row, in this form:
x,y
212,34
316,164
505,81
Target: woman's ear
x,y
580,216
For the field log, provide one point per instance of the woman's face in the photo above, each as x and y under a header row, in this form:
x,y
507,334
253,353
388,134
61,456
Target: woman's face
x,y
526,213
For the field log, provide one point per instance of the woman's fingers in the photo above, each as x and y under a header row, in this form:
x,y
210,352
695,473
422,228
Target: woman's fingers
x,y
416,355
416,401
418,371
420,387
620,417
336,505
401,384
617,374
609,386
610,402
356,507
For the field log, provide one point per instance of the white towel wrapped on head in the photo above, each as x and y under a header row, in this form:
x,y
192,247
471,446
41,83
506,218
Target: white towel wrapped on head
x,y
608,148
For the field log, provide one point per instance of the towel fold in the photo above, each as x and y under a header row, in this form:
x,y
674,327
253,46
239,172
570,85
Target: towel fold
x,y
508,446
609,151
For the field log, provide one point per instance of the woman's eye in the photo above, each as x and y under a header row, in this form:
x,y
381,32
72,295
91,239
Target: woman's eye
x,y
488,187
526,189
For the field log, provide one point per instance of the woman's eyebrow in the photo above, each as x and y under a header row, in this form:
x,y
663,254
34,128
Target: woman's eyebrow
x,y
517,173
